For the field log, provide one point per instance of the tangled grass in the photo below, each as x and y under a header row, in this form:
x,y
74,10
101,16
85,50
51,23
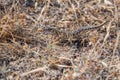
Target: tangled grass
x,y
32,46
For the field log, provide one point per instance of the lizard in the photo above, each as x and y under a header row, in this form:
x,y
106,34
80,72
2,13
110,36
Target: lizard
x,y
68,34
83,28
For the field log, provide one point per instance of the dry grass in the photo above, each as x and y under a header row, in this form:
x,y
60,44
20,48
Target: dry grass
x,y
37,41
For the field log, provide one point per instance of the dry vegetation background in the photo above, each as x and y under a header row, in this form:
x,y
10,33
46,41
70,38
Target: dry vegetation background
x,y
33,48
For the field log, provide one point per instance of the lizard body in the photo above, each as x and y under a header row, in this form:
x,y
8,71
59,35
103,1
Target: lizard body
x,y
68,35
75,31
